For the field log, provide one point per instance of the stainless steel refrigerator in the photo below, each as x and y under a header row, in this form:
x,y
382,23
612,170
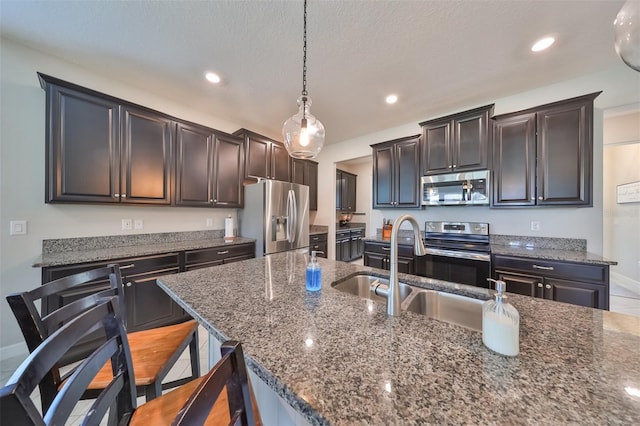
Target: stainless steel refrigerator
x,y
276,214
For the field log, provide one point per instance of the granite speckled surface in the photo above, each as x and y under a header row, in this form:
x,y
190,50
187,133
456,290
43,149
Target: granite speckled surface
x,y
318,229
339,359
70,251
561,249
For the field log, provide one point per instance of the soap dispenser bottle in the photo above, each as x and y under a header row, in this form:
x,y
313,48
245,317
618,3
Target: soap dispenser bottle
x,y
500,323
314,273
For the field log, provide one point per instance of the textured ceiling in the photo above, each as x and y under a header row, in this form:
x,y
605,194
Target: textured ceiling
x,y
438,56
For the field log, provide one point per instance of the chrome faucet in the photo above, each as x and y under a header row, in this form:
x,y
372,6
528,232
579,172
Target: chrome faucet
x,y
393,295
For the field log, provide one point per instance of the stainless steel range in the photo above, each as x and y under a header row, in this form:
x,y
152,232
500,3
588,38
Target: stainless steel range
x,y
458,252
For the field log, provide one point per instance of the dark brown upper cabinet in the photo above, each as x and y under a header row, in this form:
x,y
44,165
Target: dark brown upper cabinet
x,y
305,172
209,167
99,150
265,158
346,191
396,173
457,143
543,156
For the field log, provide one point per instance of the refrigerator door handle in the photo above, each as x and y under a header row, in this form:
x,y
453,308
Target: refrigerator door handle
x,y
294,210
291,216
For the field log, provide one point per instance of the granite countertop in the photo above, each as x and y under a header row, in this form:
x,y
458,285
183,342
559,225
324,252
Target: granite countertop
x,y
339,359
351,225
66,253
558,249
318,229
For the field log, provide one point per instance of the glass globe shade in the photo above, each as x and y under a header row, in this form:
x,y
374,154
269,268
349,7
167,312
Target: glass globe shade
x,y
300,141
627,34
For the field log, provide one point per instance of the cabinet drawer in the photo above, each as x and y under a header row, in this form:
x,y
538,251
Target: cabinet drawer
x,y
317,238
384,248
550,268
215,254
357,233
341,235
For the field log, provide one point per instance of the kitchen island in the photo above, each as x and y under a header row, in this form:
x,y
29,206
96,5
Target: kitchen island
x,y
337,358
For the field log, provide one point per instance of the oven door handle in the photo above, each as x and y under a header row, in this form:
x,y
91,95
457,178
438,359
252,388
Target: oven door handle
x,y
484,257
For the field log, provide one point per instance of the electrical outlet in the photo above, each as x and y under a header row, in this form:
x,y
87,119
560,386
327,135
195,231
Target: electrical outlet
x,y
126,224
18,227
209,222
138,224
535,225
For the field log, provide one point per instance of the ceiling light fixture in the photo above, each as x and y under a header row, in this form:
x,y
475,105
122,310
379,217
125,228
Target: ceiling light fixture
x,y
303,133
627,34
542,44
212,77
391,99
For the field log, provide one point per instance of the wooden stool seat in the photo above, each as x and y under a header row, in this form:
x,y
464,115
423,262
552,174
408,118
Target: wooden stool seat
x,y
151,352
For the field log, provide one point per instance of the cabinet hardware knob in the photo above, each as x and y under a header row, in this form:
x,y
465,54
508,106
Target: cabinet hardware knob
x,y
455,165
116,195
540,197
129,266
129,284
123,195
539,285
533,198
544,268
211,200
548,286
223,252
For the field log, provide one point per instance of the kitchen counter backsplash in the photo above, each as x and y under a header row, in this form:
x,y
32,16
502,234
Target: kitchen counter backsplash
x,y
539,242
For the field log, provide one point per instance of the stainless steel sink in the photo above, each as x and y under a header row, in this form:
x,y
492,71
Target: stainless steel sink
x,y
448,307
370,287
440,305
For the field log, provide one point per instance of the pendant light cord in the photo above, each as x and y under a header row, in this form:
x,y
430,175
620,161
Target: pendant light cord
x,y
304,54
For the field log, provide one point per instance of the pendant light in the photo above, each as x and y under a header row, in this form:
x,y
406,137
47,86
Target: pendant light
x,y
627,34
303,133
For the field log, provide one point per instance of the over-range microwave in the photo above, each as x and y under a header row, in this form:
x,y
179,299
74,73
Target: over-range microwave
x,y
454,189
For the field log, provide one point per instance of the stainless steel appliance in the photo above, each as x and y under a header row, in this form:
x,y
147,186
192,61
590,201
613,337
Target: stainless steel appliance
x,y
458,252
276,215
452,189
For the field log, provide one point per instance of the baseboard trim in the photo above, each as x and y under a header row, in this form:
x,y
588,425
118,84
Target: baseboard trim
x,y
625,282
18,349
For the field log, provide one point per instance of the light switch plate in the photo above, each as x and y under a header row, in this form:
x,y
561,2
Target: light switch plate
x,y
18,227
209,222
126,224
535,225
138,224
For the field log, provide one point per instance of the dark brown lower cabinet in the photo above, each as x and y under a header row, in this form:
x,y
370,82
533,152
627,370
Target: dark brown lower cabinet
x,y
148,306
568,282
378,255
349,244
318,242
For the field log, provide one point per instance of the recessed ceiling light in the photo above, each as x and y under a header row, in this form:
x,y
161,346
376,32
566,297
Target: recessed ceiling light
x,y
542,44
212,77
391,99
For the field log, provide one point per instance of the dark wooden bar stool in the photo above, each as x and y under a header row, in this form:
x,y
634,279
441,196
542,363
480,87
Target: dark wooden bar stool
x,y
222,396
154,351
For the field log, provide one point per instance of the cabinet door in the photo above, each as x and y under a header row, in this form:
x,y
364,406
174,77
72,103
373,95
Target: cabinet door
x,y
470,142
339,186
383,176
527,285
583,294
298,171
279,162
348,192
564,154
257,156
312,181
228,170
83,151
514,163
436,148
407,171
194,171
405,265
146,157
376,260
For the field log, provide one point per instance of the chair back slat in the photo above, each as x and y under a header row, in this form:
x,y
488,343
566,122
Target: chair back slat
x,y
230,371
103,316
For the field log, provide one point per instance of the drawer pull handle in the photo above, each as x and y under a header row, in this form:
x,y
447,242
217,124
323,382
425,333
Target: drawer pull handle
x,y
129,266
386,248
544,268
223,252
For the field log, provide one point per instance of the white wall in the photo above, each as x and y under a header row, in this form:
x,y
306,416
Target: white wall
x,y
622,221
22,160
620,86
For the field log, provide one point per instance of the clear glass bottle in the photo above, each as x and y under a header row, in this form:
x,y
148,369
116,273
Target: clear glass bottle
x,y
501,323
314,273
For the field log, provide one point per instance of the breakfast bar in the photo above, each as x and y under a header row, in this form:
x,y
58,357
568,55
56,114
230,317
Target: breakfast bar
x,y
337,358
